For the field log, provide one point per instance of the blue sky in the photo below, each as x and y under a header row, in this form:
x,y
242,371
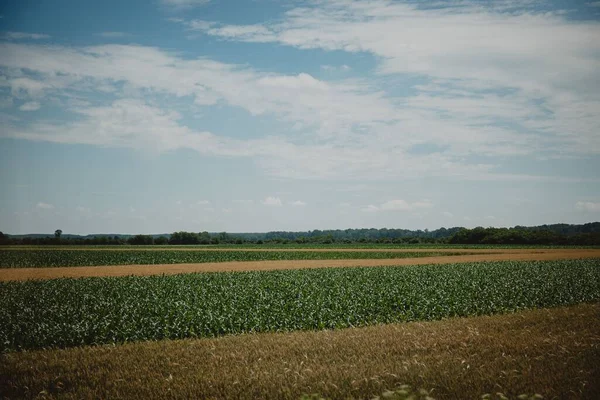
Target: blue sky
x,y
156,116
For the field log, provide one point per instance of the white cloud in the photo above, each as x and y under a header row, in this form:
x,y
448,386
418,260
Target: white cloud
x,y
594,4
126,123
300,98
587,206
298,203
461,41
468,106
399,205
342,67
489,217
112,34
25,35
448,214
22,86
135,124
30,106
44,206
396,205
203,202
403,205
233,31
370,208
465,49
272,201
422,204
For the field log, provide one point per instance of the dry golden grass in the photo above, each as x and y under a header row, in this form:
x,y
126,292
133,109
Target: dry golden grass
x,y
15,274
555,353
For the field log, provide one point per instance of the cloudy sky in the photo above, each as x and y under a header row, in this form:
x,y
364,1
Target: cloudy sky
x,y
153,116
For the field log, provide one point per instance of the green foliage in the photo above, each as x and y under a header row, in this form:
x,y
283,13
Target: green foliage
x,y
557,234
526,236
141,240
72,312
189,238
72,258
161,240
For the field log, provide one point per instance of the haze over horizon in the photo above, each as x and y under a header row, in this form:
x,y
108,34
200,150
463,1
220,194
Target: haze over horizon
x,y
208,115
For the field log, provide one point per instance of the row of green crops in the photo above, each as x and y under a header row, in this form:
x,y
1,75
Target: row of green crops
x,y
72,258
332,246
71,312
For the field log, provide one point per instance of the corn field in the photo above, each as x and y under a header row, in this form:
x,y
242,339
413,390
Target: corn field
x,y
73,312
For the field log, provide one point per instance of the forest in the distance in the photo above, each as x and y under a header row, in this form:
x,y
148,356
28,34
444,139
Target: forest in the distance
x,y
556,234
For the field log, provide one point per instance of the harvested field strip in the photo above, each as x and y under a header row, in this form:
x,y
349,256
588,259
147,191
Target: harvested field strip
x,y
70,258
72,312
19,274
553,352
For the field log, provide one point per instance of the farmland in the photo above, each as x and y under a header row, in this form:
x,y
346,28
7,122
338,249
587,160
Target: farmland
x,y
401,315
69,258
552,352
413,257
62,313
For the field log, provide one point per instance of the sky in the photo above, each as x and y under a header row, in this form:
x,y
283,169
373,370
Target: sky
x,y
258,115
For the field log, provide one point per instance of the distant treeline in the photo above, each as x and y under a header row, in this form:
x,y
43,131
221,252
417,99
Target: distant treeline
x,y
523,236
557,234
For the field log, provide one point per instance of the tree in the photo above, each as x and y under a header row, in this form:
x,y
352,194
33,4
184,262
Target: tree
x,y
204,237
161,240
57,233
141,240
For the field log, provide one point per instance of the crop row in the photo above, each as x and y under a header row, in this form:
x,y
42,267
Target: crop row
x,y
332,246
72,258
71,312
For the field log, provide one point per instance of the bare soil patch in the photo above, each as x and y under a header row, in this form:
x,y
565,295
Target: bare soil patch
x,y
16,274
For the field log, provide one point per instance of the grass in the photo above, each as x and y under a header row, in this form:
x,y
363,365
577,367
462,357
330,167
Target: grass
x,y
71,312
551,352
71,258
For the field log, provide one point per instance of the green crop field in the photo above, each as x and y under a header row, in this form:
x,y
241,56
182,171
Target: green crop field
x,y
71,312
332,246
72,258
